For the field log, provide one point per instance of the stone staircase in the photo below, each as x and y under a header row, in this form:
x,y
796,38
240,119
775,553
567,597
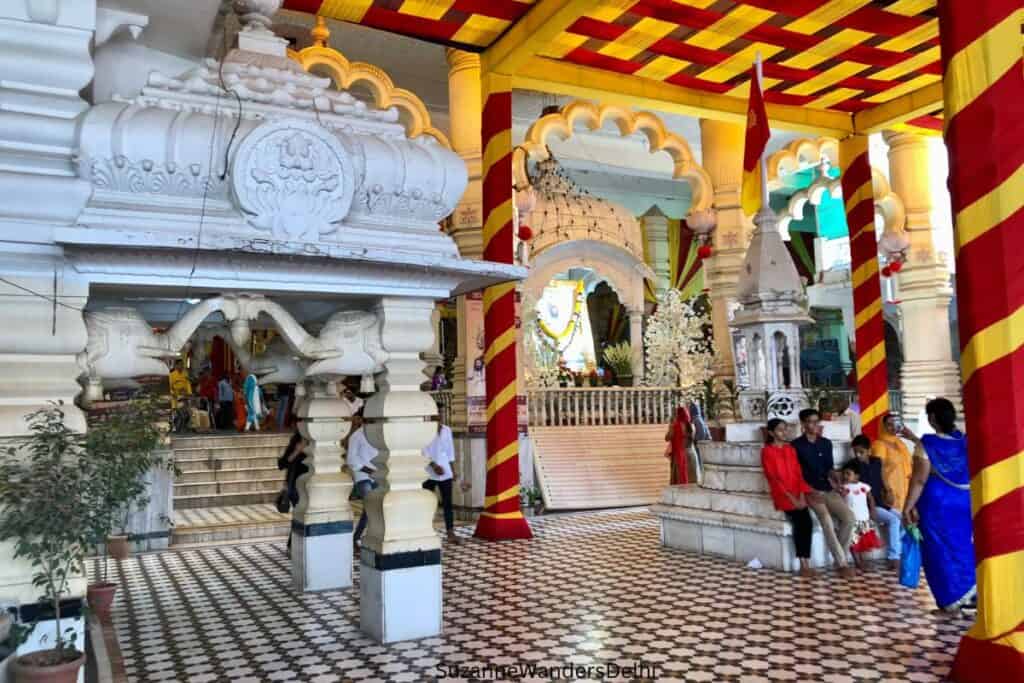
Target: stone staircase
x,y
600,466
226,488
220,471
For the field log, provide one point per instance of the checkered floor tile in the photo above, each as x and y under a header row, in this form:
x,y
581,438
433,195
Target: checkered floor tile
x,y
593,588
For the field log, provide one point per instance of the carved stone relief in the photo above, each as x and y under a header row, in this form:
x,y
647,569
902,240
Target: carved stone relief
x,y
121,174
294,180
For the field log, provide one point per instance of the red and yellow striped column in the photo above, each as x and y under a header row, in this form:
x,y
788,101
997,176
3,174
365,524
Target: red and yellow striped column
x,y
983,84
872,371
501,517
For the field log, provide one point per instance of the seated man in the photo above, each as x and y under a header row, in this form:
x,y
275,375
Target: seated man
x,y
817,462
871,474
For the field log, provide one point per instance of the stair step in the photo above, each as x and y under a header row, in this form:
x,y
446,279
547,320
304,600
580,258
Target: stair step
x,y
227,464
230,475
225,499
221,443
226,452
210,488
230,532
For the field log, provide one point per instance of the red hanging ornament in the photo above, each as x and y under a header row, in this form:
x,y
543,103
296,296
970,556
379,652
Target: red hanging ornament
x,y
525,233
887,272
896,266
704,251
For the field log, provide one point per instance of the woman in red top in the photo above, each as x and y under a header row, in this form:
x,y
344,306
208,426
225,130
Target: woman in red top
x,y
788,488
679,438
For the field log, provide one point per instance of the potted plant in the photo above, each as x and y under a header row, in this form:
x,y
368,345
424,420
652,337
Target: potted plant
x,y
712,404
42,483
531,501
620,358
121,449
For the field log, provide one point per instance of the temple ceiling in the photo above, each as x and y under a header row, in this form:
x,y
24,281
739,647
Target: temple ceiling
x,y
827,64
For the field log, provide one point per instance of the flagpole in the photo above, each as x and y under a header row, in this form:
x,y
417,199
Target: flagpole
x,y
764,168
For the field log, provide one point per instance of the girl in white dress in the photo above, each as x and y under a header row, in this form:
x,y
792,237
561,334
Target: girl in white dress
x,y
859,499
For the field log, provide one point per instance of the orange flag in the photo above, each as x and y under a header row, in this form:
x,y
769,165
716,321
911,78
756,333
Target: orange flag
x,y
758,133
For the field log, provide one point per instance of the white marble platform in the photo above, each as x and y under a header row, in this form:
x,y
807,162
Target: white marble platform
x,y
731,513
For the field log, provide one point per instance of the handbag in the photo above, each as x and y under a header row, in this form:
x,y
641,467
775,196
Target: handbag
x,y
283,503
910,557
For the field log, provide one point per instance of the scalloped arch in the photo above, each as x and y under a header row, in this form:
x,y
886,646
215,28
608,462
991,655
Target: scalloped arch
x,y
345,74
888,205
593,116
796,154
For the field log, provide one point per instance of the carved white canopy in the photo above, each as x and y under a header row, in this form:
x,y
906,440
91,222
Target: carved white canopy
x,y
255,155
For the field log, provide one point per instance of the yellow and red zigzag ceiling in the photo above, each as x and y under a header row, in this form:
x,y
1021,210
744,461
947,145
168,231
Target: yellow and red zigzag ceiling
x,y
844,55
472,24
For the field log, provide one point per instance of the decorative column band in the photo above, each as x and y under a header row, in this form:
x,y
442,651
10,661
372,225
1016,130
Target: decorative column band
x,y
502,517
983,87
872,371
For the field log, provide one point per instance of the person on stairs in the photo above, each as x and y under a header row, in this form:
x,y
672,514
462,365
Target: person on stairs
x,y
359,455
818,464
253,403
226,401
441,453
789,490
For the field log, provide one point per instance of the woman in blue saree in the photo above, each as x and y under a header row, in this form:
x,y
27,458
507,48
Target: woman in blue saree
x,y
939,502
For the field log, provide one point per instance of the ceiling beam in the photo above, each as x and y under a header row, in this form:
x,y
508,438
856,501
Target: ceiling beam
x,y
537,29
899,110
606,87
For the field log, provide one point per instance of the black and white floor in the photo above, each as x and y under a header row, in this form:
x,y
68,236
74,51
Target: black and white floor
x,y
591,589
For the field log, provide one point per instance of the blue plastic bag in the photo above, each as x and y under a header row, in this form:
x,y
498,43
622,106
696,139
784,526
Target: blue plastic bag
x,y
910,557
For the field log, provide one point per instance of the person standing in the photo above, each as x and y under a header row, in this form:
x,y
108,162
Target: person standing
x,y
253,403
359,455
679,438
293,461
939,502
180,388
788,489
226,401
884,513
817,462
896,461
179,384
441,453
284,400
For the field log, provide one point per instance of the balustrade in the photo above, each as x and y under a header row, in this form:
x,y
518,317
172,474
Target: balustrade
x,y
595,406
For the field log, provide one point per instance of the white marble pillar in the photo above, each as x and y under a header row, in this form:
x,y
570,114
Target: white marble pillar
x,y
432,357
636,340
656,229
322,520
465,116
722,158
45,62
923,285
400,562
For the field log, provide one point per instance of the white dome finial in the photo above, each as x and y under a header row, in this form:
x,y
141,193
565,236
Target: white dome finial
x,y
255,15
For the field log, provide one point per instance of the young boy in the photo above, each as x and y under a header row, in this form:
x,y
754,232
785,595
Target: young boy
x,y
871,474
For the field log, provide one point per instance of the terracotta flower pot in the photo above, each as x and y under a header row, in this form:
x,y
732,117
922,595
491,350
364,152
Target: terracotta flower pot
x,y
117,546
36,667
100,597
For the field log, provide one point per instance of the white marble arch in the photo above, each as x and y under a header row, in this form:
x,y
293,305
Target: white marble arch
x,y
623,271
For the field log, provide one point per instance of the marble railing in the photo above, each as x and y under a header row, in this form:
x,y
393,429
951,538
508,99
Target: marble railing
x,y
787,403
587,406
